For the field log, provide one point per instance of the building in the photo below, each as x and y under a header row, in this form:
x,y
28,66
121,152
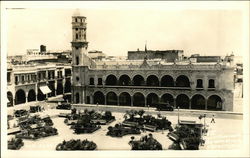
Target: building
x,y
168,55
147,78
35,81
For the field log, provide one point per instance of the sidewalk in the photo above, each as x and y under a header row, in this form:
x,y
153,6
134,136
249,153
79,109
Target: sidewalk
x,y
183,112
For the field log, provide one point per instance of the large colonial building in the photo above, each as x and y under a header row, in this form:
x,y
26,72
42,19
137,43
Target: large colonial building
x,y
147,78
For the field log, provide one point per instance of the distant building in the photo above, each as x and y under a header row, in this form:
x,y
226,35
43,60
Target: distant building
x,y
37,77
199,59
96,55
168,55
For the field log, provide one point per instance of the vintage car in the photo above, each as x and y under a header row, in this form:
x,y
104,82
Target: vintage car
x,y
64,105
34,109
19,113
165,107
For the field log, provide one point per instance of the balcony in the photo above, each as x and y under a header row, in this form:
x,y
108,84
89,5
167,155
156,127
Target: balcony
x,y
139,87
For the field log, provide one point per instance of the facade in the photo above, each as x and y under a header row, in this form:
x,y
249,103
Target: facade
x,y
37,82
140,81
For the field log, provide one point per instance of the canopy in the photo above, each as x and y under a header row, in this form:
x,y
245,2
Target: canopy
x,y
45,89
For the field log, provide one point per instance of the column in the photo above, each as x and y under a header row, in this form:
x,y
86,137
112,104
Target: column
x,y
205,104
174,102
131,100
190,102
91,99
105,100
118,101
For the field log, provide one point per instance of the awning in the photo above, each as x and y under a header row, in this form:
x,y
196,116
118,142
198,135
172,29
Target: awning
x,y
45,89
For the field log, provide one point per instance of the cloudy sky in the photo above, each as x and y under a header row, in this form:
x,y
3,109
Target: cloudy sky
x,y
116,30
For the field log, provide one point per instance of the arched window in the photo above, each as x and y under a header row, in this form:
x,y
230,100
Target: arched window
x,y
182,81
111,80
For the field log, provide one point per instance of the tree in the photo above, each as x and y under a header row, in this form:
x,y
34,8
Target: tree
x,y
140,113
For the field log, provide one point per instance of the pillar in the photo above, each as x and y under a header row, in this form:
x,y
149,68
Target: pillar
x,y
174,102
91,97
105,100
205,104
190,102
132,101
118,101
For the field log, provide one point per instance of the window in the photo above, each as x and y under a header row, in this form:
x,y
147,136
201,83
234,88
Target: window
x,y
76,19
16,79
77,78
211,83
76,36
76,29
22,78
199,83
77,60
99,81
8,77
91,81
88,100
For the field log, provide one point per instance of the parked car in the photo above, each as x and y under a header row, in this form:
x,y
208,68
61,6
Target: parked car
x,y
19,113
165,107
66,106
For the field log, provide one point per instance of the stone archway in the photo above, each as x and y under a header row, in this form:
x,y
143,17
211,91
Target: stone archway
x,y
20,97
111,98
167,81
138,99
111,80
182,81
99,98
198,102
138,80
125,99
152,80
167,98
124,80
31,95
214,102
152,100
182,101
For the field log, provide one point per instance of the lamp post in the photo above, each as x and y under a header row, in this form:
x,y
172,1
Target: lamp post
x,y
178,115
204,121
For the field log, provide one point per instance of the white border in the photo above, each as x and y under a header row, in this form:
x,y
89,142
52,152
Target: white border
x,y
243,6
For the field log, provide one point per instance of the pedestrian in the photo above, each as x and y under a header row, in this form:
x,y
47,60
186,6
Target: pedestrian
x,y
213,121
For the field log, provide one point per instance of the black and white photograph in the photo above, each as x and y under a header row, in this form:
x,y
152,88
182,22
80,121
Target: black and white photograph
x,y
122,79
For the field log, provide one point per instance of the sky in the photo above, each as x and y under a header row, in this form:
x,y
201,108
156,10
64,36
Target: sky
x,y
118,30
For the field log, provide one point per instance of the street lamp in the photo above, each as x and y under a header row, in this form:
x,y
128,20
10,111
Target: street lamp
x,y
178,115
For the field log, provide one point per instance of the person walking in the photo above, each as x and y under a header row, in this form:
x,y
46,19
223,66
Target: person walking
x,y
213,121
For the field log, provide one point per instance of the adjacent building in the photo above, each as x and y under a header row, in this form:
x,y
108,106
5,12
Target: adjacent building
x,y
37,77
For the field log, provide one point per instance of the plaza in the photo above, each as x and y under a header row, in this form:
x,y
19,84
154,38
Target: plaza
x,y
219,136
